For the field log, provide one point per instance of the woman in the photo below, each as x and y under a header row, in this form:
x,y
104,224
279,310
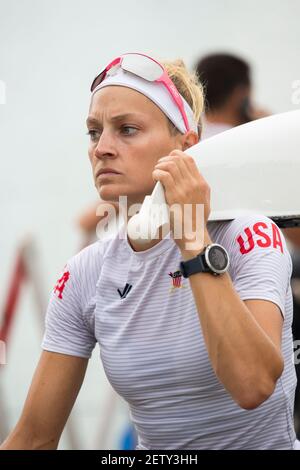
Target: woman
x,y
204,361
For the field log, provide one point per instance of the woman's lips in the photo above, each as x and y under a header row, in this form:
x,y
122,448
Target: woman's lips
x,y
106,172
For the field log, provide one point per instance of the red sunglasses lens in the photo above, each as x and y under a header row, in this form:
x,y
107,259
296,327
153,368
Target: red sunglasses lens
x,y
98,80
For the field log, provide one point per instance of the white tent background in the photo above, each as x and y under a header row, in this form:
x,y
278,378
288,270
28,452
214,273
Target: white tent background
x,y
49,53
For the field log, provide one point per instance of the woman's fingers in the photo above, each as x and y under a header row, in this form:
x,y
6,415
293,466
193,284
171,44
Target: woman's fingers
x,y
175,160
172,168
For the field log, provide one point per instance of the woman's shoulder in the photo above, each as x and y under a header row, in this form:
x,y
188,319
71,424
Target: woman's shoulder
x,y
87,259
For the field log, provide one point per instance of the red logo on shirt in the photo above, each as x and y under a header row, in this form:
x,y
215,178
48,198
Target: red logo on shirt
x,y
176,278
61,284
263,239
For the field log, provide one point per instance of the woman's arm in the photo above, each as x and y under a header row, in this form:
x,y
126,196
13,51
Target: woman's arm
x,y
55,386
242,338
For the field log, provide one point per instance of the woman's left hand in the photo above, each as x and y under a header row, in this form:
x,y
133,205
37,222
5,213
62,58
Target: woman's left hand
x,y
186,188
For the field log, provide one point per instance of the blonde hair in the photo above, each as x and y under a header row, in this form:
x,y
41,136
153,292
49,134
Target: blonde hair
x,y
188,86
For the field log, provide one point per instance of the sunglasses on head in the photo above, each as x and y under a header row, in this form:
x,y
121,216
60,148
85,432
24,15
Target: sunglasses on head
x,y
149,69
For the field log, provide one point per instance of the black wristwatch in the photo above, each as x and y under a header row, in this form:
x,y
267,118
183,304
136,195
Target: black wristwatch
x,y
213,259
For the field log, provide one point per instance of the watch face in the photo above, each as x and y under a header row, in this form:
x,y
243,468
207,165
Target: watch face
x,y
217,258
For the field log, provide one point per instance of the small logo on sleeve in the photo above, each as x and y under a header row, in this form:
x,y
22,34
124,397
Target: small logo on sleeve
x,y
61,284
126,291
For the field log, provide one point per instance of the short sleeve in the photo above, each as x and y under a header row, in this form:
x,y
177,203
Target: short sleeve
x,y
261,265
66,330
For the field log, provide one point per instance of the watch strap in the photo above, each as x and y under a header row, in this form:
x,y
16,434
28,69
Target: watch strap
x,y
194,265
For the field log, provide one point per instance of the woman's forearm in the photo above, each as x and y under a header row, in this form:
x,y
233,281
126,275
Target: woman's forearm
x,y
242,355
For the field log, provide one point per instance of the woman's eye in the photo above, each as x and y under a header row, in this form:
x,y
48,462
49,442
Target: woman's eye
x,y
128,130
94,135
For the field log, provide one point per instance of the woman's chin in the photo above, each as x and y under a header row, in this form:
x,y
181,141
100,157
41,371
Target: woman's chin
x,y
113,194
107,193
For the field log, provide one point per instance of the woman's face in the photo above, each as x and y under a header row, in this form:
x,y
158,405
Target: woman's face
x,y
128,134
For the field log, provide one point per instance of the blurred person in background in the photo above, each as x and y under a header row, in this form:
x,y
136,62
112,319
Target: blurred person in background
x,y
293,237
228,93
88,220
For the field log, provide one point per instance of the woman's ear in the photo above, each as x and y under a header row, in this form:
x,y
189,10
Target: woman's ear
x,y
189,139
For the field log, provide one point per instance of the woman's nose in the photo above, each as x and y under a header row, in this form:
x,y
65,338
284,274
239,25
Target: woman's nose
x,y
105,145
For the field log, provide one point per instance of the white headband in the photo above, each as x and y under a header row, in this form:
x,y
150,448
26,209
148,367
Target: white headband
x,y
156,92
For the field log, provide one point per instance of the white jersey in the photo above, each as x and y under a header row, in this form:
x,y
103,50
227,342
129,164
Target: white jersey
x,y
141,311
